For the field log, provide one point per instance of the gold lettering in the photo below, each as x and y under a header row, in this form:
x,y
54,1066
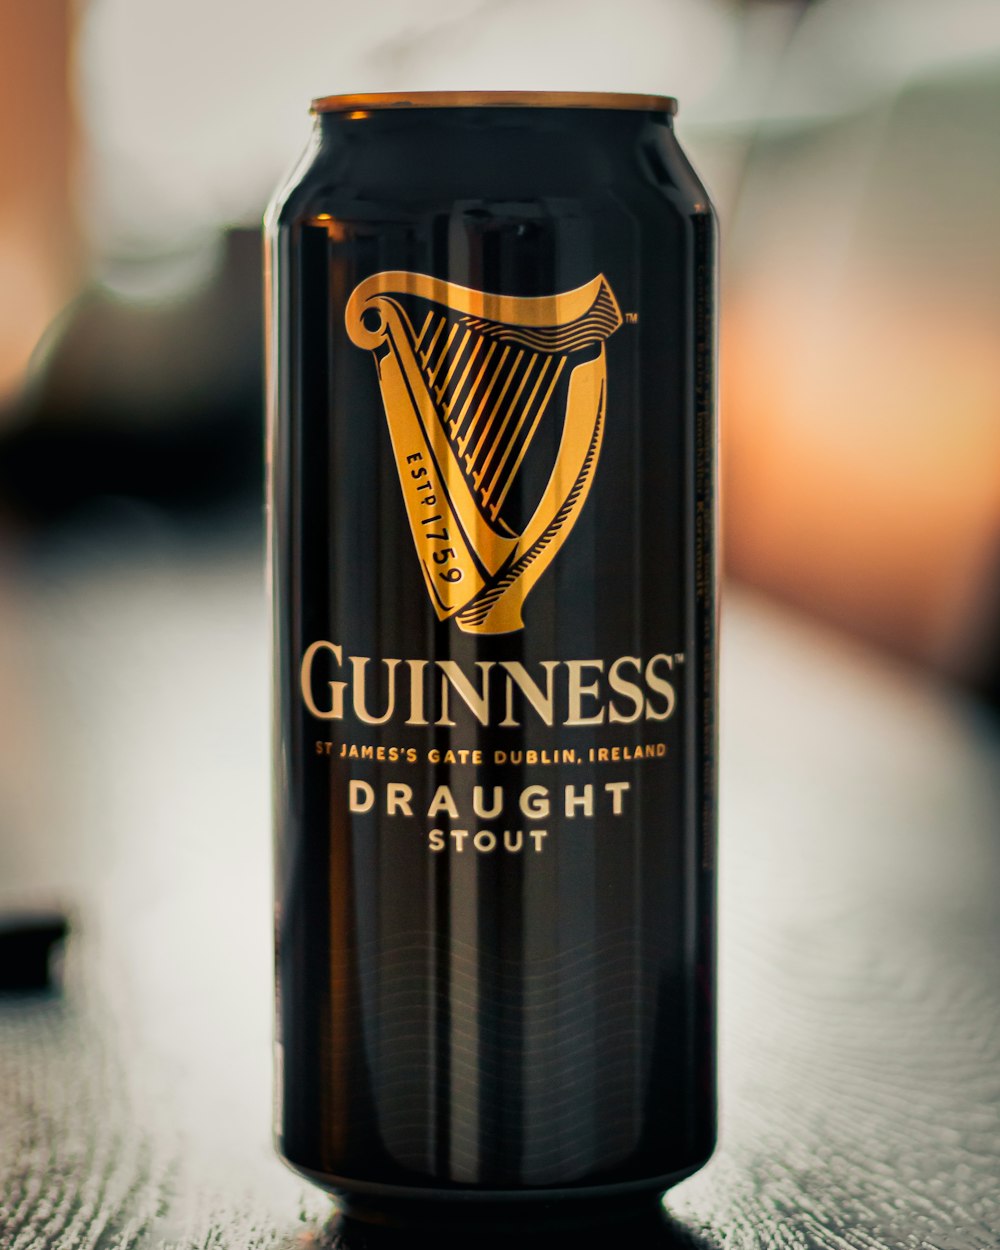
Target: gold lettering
x,y
517,675
577,691
628,689
417,668
661,686
477,701
636,688
359,663
336,711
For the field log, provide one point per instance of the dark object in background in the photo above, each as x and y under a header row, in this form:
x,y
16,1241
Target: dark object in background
x,y
29,941
160,403
468,1016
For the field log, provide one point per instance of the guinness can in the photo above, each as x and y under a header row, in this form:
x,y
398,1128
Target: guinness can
x,y
492,466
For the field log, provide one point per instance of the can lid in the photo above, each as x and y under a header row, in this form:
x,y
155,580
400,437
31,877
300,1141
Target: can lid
x,y
496,99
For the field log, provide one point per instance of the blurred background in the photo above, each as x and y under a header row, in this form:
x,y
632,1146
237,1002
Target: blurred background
x,y
853,150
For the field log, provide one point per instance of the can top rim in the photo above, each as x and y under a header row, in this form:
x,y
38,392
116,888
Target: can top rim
x,y
495,99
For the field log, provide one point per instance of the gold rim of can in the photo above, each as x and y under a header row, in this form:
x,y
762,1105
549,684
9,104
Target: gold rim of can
x,y
495,99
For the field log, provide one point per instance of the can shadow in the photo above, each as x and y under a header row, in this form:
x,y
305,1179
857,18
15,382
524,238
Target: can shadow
x,y
650,1228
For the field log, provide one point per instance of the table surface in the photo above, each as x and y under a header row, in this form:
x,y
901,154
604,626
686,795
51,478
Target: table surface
x,y
860,930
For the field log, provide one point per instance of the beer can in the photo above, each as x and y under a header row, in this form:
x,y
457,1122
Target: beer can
x,y
492,518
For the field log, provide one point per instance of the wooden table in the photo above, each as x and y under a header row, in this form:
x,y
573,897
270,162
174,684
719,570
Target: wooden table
x,y
860,979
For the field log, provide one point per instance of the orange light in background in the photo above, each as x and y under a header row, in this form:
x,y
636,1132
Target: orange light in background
x,y
39,260
862,459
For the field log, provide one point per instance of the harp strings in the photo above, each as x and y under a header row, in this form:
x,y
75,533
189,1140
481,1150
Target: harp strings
x,y
490,396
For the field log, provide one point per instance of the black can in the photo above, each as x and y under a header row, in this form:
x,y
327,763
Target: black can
x,y
492,495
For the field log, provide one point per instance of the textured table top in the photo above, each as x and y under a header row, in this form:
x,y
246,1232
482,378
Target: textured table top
x,y
860,904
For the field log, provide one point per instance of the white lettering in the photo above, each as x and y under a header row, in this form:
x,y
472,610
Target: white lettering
x,y
361,796
535,801
584,800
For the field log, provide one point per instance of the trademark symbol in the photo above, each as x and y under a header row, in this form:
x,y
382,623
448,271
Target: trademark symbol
x,y
678,657
632,318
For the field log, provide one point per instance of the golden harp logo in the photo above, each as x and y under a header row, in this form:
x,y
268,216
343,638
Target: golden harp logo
x,y
495,406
